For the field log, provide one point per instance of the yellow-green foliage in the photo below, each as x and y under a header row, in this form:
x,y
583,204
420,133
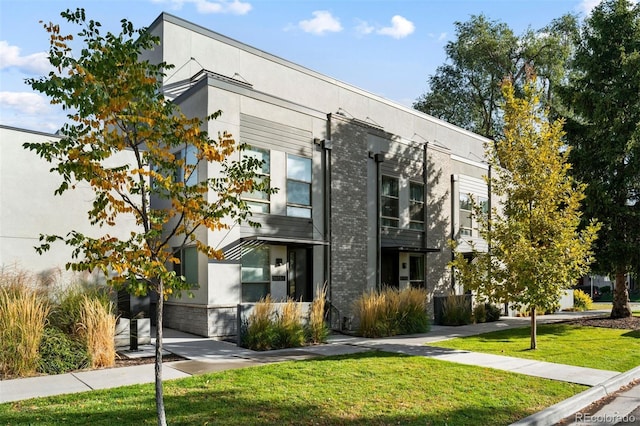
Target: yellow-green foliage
x,y
581,300
98,326
390,311
23,315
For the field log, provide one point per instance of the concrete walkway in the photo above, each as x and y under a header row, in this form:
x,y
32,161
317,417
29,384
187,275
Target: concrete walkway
x,y
205,355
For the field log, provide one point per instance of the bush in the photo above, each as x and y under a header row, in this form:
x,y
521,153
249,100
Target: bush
x,y
480,313
97,327
23,314
456,310
289,332
390,312
493,312
581,300
60,353
317,330
258,332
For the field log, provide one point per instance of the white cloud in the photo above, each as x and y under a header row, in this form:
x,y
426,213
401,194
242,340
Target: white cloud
x,y
438,37
234,7
586,6
321,23
24,102
364,28
36,63
400,28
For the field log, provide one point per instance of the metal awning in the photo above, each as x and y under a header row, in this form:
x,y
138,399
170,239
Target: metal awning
x,y
284,240
413,249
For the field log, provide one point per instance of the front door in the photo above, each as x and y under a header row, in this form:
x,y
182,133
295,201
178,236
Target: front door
x,y
390,269
300,285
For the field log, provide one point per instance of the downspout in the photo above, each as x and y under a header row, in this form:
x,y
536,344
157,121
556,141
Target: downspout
x,y
326,150
378,158
425,213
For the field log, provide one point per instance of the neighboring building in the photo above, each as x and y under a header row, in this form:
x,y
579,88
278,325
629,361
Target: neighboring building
x,y
29,208
370,191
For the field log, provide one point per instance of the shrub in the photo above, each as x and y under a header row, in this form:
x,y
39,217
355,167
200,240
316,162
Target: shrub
x,y
456,310
581,300
413,311
480,313
60,353
390,312
97,327
317,330
23,314
493,312
258,331
289,332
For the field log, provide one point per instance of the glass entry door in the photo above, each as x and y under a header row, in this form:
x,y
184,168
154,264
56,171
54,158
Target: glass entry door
x,y
300,285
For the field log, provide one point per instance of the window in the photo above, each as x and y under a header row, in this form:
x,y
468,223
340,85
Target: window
x,y
188,266
416,271
466,207
468,221
256,273
259,201
390,203
416,206
298,186
188,159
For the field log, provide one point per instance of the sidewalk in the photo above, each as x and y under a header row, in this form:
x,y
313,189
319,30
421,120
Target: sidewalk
x,y
205,355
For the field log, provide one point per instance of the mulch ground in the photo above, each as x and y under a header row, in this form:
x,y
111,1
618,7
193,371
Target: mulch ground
x,y
631,323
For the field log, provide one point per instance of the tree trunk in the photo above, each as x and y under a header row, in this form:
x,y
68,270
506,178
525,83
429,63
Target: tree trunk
x,y
162,418
621,307
534,330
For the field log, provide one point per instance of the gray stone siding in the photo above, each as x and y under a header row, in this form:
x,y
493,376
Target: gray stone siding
x,y
349,159
207,321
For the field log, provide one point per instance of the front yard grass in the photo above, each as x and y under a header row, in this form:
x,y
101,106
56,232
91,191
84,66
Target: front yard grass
x,y
595,347
374,388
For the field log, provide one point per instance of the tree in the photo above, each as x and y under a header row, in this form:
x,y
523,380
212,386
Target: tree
x,y
117,107
535,248
602,105
466,91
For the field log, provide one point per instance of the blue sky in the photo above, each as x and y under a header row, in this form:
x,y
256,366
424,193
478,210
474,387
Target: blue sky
x,y
387,47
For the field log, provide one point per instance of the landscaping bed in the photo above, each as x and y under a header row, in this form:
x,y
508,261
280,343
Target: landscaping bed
x,y
630,323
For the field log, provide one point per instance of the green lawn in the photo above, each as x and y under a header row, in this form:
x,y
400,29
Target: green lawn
x,y
365,389
603,348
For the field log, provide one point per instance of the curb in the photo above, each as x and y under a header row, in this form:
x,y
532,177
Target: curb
x,y
563,409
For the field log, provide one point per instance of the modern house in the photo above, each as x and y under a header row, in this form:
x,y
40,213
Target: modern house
x,y
370,191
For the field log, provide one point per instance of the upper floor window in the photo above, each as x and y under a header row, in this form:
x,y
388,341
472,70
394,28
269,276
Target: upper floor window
x,y
468,221
298,186
259,201
389,202
188,172
416,206
466,215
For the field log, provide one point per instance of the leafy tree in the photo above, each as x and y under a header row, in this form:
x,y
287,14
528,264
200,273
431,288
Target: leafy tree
x,y
536,250
466,91
602,105
117,113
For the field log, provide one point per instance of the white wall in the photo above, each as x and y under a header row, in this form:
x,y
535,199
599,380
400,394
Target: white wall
x,y
29,208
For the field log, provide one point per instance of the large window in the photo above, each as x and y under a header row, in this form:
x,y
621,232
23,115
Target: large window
x,y
466,215
298,186
256,273
390,202
259,201
188,266
468,221
416,206
416,271
188,173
